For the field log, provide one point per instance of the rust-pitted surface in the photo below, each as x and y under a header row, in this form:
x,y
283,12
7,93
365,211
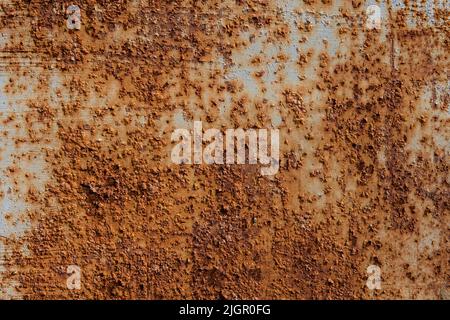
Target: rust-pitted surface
x,y
87,180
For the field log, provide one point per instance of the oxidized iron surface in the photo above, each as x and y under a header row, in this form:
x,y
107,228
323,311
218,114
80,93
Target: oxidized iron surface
x,y
89,100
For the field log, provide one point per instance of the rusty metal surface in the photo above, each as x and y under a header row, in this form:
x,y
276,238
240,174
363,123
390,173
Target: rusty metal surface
x,y
364,149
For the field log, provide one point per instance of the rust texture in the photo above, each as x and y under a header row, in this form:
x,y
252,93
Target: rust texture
x,y
86,121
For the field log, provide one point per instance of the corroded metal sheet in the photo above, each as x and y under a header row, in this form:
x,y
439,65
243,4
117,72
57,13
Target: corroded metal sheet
x,y
93,203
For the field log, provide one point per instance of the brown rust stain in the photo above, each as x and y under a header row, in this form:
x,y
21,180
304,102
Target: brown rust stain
x,y
353,187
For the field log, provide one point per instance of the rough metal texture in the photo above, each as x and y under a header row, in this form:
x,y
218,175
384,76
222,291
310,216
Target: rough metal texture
x,y
86,177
